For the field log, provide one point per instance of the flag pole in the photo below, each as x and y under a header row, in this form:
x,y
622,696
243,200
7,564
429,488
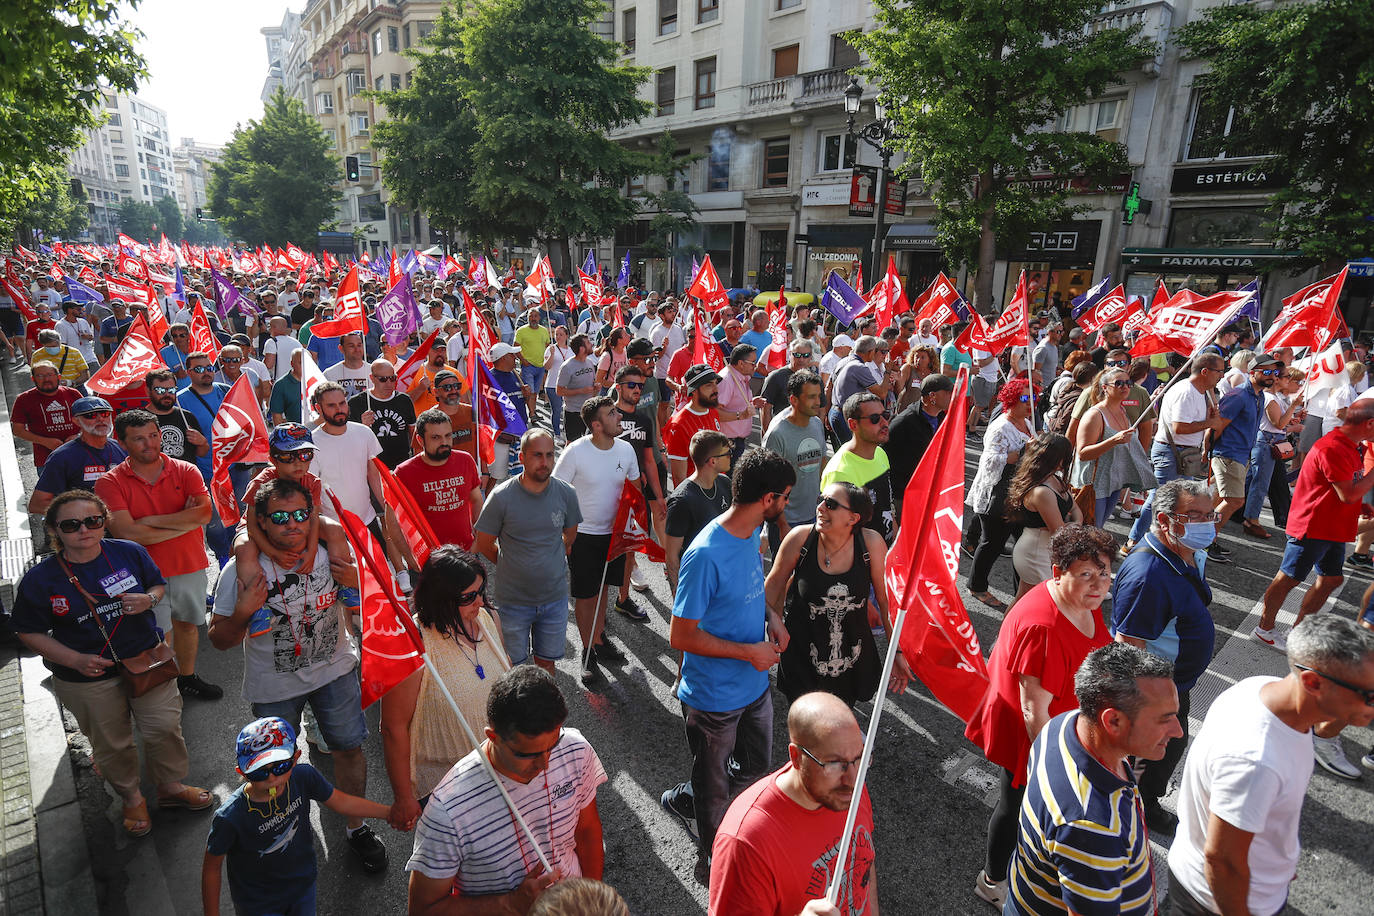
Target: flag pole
x,y
596,614
927,520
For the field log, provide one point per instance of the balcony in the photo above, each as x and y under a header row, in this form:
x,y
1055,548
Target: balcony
x,y
804,89
353,57
1155,20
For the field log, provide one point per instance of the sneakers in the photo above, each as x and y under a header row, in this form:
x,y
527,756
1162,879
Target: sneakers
x,y
1271,638
1331,756
1161,821
192,686
368,848
589,667
403,581
611,652
627,606
1361,560
1218,554
994,892
637,580
1368,760
678,802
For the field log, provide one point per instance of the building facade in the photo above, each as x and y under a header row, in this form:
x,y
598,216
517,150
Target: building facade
x,y
128,157
279,39
192,162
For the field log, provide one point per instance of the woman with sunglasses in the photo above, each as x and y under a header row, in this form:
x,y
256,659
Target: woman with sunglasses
x,y
1108,455
421,737
1039,500
1007,434
83,609
826,571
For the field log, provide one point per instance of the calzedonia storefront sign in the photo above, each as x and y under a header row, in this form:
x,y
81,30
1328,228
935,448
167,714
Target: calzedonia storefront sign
x,y
1221,179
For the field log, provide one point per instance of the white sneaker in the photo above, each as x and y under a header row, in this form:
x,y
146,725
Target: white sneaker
x,y
637,580
1331,756
403,581
994,892
1271,638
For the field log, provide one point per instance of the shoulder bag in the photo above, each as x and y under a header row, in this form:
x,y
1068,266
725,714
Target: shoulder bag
x,y
142,672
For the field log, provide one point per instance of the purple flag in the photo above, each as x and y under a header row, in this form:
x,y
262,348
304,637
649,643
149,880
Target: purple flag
x,y
1087,300
398,313
841,300
623,280
227,297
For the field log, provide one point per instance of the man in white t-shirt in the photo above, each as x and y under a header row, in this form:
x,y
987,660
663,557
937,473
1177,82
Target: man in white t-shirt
x,y
925,335
343,457
669,335
1244,780
597,465
352,373
48,297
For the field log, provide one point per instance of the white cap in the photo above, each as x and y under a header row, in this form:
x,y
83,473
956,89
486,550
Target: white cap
x,y
502,350
843,340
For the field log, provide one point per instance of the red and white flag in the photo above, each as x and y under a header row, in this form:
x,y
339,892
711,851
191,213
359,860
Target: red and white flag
x,y
937,637
631,531
1012,328
938,302
349,317
415,528
330,263
239,435
975,336
540,279
409,370
706,287
704,349
1311,317
591,288
136,357
18,292
1326,371
887,298
202,337
1186,326
777,327
1114,306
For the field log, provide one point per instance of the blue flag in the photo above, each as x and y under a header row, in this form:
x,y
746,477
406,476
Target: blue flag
x,y
589,266
1085,301
495,408
180,293
841,300
1251,308
80,292
623,280
409,262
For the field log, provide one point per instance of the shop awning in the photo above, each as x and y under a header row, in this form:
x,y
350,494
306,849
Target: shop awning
x,y
911,237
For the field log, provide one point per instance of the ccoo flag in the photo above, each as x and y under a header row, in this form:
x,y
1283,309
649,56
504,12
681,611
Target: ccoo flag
x,y
841,300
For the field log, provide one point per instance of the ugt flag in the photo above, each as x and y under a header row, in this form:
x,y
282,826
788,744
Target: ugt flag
x,y
706,286
398,313
1310,317
631,531
238,435
136,357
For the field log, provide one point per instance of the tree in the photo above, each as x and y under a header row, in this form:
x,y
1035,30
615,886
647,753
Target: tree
x,y
275,182
54,211
1298,77
169,221
544,91
973,87
674,211
137,219
56,58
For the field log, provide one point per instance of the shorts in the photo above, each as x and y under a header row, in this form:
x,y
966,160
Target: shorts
x,y
1301,554
983,391
532,376
1311,432
1229,475
499,469
184,601
543,627
11,323
587,562
338,708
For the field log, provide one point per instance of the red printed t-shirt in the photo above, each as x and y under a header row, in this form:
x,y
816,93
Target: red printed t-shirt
x,y
122,489
677,438
442,494
1318,511
1038,641
48,415
771,855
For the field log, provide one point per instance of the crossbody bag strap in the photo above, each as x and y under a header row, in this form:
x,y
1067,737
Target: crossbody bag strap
x,y
71,577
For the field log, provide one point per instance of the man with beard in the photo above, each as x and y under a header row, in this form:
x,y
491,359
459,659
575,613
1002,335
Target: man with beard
x,y
450,401
422,387
697,414
343,457
799,436
182,436
862,461
576,385
78,464
729,638
444,482
788,824
350,372
388,413
637,428
43,414
1240,409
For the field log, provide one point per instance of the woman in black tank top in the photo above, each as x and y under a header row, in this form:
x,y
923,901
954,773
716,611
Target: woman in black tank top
x,y
1039,499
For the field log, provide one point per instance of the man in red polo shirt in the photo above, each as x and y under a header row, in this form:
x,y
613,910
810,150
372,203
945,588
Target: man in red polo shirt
x,y
162,503
443,480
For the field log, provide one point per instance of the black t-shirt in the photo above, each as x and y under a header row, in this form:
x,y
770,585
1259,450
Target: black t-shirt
x,y
690,509
637,430
174,426
301,313
775,388
392,425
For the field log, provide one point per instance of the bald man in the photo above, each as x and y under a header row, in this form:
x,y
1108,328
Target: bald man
x,y
773,850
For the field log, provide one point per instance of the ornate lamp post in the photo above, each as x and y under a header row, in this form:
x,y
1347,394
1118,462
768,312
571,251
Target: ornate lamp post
x,y
878,134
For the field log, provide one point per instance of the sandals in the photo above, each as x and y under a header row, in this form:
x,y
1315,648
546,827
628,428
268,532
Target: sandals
x,y
1255,529
191,798
136,820
995,604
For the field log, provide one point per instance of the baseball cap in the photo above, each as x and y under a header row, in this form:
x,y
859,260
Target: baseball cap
x,y
640,346
502,350
936,382
698,375
842,340
1264,359
263,742
290,437
90,405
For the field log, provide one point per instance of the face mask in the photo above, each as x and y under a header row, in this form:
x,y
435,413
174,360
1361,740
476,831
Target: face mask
x,y
52,351
1198,535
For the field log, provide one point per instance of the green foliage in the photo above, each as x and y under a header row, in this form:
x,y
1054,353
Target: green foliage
x,y
54,211
203,232
1301,74
55,57
674,211
169,221
973,87
275,183
137,219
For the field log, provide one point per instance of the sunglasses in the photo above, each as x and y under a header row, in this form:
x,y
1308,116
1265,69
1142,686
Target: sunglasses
x,y
71,525
280,768
634,386
201,370
231,359
831,503
383,378
1120,383
521,755
97,414
466,598
1024,399
282,516
1269,373
454,387
301,454
1366,693
1117,363
876,418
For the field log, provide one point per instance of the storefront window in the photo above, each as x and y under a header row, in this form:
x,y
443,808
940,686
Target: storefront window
x,y
1048,285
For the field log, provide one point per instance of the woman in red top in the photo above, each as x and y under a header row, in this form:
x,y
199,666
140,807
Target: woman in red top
x,y
1043,640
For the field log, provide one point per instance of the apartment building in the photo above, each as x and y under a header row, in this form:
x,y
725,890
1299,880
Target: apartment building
x,y
279,39
192,162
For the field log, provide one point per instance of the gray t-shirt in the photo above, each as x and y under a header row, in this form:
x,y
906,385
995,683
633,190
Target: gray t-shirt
x,y
531,567
1046,358
805,448
301,611
852,377
577,373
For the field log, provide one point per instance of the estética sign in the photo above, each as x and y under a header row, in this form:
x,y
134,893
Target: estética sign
x,y
1220,179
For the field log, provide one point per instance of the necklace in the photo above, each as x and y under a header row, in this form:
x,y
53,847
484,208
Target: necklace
x,y
476,653
826,556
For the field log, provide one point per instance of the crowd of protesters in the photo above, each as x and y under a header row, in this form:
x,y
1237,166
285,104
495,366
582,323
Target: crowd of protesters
x,y
775,488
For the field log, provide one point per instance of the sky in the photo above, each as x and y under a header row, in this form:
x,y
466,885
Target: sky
x,y
207,60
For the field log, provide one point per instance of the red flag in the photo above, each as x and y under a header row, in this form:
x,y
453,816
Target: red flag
x,y
1184,327
239,434
937,638
25,254
414,527
56,272
481,338
591,287
540,279
859,279
704,349
349,317
408,370
331,263
975,336
136,357
17,291
1327,370
938,302
888,298
1310,317
706,287
1012,328
393,271
777,326
631,531
617,316
1114,306
392,648
202,338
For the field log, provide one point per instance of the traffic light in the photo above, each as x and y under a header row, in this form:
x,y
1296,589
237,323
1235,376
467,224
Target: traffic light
x,y
351,167
200,213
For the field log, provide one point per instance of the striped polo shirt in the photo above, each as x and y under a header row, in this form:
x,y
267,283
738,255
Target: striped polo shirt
x,y
1082,846
467,833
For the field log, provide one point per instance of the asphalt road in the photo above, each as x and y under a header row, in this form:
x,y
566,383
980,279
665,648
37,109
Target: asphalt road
x,y
931,789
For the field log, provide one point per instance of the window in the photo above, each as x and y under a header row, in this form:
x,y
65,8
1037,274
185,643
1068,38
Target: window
x,y
121,171
842,54
667,17
114,120
377,43
405,35
718,166
324,102
370,208
776,154
837,152
365,166
116,136
708,10
1212,123
1107,112
357,82
706,83
788,4
627,30
395,81
393,38
682,178
358,124
378,83
785,61
422,30
635,186
666,94
410,78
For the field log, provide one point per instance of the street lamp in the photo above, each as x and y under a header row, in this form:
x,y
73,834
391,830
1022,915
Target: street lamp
x,y
878,134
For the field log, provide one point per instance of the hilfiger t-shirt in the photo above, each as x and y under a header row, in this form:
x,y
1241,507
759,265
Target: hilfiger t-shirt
x,y
442,494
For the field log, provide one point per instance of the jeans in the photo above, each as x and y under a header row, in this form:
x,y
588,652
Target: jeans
x,y
543,627
1153,775
712,737
839,427
338,710
555,409
1103,510
1165,463
532,376
1257,478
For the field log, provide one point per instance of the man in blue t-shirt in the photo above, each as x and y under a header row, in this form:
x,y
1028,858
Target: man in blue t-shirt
x,y
201,399
729,639
80,462
760,338
1240,408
